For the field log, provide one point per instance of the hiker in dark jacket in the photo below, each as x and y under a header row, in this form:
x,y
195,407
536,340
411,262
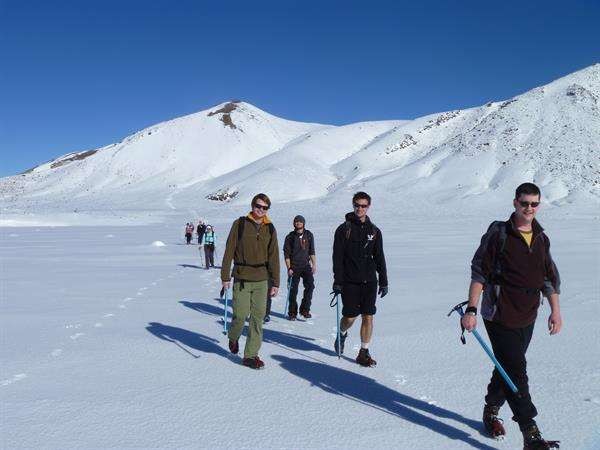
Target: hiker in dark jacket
x,y
357,260
511,267
200,229
301,262
252,246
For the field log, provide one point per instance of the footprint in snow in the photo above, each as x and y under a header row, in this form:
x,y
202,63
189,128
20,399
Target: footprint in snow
x,y
140,294
73,326
142,288
108,315
153,283
127,299
56,352
428,400
401,380
98,325
14,379
76,336
122,306
592,400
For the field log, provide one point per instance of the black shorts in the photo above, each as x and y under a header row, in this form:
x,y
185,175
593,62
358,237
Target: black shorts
x,y
359,299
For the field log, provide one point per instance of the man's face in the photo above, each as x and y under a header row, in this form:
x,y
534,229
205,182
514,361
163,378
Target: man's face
x,y
526,207
298,225
259,208
361,206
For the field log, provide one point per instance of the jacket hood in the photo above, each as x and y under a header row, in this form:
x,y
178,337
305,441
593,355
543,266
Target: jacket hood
x,y
265,219
351,217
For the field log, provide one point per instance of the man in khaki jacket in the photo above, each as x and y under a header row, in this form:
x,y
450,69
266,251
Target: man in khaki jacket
x,y
252,246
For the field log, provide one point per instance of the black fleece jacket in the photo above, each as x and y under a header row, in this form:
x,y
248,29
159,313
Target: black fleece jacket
x,y
358,253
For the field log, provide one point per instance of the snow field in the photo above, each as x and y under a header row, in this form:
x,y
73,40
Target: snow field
x,y
109,342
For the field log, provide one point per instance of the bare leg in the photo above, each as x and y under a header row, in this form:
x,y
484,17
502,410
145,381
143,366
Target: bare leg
x,y
366,328
346,323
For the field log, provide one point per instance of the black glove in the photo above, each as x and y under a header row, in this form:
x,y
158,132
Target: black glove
x,y
337,289
383,290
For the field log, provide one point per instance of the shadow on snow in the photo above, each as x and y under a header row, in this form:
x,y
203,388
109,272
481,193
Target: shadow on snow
x,y
368,392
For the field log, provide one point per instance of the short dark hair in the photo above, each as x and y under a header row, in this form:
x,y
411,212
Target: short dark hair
x,y
527,189
360,195
262,197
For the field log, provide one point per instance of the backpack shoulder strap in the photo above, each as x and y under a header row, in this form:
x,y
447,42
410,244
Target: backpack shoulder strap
x,y
348,228
240,232
501,244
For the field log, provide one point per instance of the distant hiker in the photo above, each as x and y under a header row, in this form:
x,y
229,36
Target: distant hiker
x,y
209,241
189,229
301,262
511,267
357,260
200,231
252,246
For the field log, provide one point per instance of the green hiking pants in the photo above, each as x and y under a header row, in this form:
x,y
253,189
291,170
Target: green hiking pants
x,y
249,299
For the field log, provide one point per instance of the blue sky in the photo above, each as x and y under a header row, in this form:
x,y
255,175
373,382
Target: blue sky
x,y
78,74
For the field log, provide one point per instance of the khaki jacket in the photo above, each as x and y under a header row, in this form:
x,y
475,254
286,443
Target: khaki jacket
x,y
257,256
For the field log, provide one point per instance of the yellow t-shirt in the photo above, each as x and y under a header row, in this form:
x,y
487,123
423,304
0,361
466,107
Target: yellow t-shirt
x,y
527,235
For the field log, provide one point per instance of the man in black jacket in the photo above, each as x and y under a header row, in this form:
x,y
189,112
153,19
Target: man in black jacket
x,y
512,266
301,262
357,260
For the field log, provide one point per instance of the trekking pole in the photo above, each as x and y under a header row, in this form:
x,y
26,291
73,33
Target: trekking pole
x,y
459,309
226,295
337,321
201,250
287,299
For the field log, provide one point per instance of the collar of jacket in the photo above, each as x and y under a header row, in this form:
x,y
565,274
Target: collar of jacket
x,y
535,226
265,219
351,217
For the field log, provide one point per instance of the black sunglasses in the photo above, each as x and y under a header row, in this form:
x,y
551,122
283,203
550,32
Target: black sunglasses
x,y
361,205
525,204
263,207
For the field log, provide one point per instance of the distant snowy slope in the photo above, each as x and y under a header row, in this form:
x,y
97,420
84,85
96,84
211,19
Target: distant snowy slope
x,y
301,170
549,135
168,155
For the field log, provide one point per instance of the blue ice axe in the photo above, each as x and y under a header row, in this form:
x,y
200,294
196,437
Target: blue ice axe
x,y
226,293
335,302
459,309
287,299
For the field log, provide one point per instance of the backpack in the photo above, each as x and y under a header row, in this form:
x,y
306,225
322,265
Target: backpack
x,y
241,223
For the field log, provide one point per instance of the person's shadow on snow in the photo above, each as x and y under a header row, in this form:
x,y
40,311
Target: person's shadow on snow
x,y
368,392
188,338
293,341
205,308
190,266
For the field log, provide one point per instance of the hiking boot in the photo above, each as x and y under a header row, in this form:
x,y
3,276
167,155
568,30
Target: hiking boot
x,y
305,313
234,347
532,439
492,423
364,358
292,316
343,337
253,363
267,319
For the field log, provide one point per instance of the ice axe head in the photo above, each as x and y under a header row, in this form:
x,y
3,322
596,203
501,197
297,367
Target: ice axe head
x,y
458,308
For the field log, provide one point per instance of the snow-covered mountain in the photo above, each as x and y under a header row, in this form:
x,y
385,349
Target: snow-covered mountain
x,y
550,135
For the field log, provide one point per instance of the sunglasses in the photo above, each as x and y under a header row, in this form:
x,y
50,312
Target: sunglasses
x,y
263,207
525,204
361,205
